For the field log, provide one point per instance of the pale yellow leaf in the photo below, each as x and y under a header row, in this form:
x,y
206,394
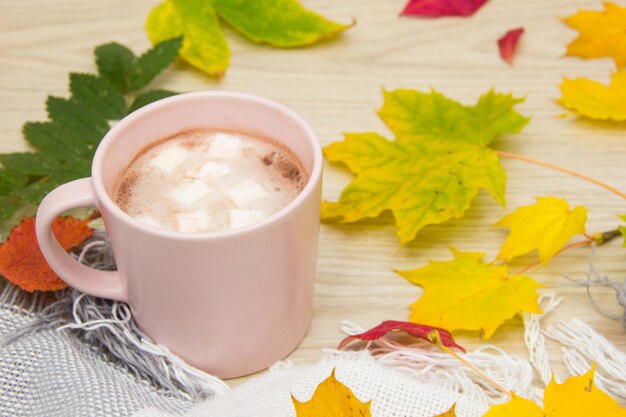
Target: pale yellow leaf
x,y
546,225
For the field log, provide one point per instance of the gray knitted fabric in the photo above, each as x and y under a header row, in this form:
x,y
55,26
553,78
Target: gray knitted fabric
x,y
52,373
69,354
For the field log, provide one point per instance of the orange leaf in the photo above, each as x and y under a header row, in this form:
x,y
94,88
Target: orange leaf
x,y
21,261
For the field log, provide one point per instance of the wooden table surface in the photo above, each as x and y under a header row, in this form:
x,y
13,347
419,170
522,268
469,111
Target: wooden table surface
x,y
336,87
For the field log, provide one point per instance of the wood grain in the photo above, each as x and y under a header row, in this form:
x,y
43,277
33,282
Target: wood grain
x,y
336,87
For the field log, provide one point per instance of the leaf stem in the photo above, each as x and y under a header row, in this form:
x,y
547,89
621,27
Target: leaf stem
x,y
563,249
93,216
564,170
476,370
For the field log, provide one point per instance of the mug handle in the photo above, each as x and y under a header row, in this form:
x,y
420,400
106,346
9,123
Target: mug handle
x,y
74,194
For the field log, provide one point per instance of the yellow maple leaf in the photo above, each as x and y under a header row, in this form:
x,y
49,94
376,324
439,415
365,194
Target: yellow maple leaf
x,y
595,100
332,399
577,397
467,293
546,225
601,34
450,413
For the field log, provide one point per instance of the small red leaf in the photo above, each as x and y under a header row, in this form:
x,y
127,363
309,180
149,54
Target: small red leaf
x,y
21,261
439,8
508,44
420,331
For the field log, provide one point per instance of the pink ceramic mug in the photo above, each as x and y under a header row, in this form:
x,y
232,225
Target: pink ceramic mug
x,y
232,302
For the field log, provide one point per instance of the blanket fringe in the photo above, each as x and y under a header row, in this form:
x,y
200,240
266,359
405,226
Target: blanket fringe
x,y
583,346
428,365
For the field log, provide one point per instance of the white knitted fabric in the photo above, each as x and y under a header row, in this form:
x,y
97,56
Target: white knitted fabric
x,y
52,373
393,394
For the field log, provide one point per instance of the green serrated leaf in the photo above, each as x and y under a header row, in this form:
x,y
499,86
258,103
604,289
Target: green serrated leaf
x,y
66,144
149,97
280,23
11,180
12,210
29,163
8,205
88,125
155,60
36,191
204,45
115,63
70,171
98,95
57,141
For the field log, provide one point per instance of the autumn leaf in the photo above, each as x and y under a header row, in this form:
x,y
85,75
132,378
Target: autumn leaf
x,y
450,413
467,293
601,34
332,399
440,8
419,331
546,226
516,407
280,23
433,169
22,262
508,44
577,396
595,100
622,229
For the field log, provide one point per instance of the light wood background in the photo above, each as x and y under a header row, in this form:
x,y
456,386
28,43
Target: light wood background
x,y
337,87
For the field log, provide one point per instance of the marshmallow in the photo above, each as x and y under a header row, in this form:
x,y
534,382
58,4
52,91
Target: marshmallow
x,y
147,219
170,159
210,170
190,192
197,221
241,218
246,192
225,146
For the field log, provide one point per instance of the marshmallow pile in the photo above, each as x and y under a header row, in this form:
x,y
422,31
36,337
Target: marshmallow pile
x,y
202,181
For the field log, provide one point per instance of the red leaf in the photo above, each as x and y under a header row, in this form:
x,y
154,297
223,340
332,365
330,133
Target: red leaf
x,y
508,44
438,8
420,331
21,261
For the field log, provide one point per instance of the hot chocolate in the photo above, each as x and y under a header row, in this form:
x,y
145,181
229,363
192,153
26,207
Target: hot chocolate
x,y
205,180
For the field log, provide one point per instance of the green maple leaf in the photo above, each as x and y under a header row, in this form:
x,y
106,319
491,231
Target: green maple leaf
x,y
433,169
279,23
65,144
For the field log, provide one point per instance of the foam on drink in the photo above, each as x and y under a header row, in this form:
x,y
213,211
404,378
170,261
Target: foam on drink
x,y
203,180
